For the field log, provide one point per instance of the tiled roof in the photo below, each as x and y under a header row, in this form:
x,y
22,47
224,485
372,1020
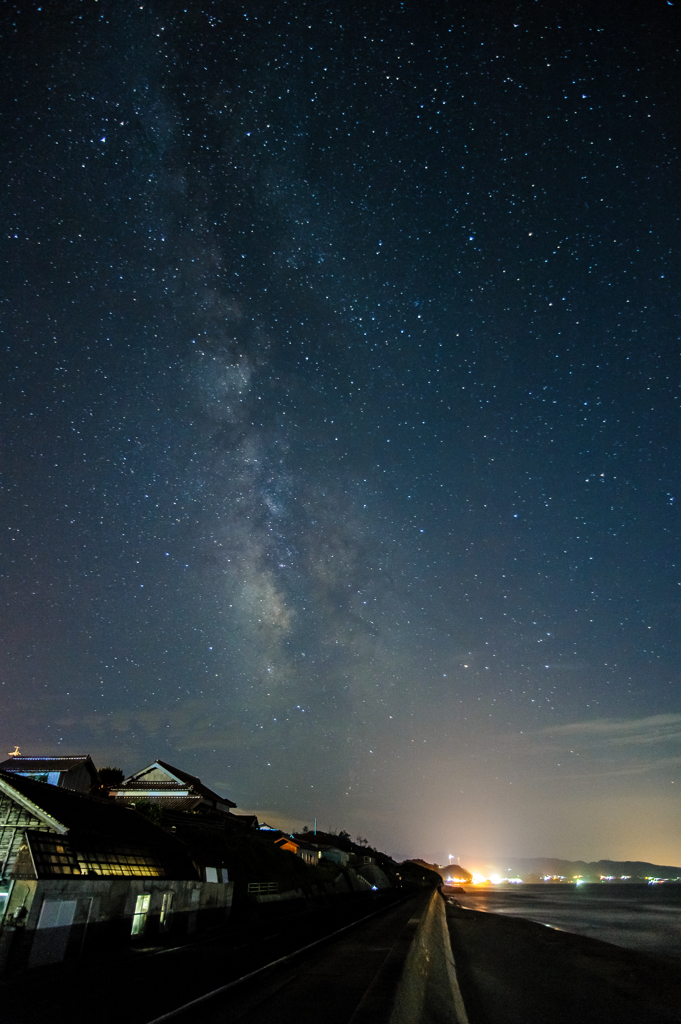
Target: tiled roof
x,y
21,763
81,813
137,781
196,783
175,787
273,835
247,821
100,826
166,801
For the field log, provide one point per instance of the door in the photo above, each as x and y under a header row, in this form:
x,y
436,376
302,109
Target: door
x,y
53,932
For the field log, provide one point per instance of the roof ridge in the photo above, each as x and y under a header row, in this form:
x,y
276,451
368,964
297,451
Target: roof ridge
x,y
49,757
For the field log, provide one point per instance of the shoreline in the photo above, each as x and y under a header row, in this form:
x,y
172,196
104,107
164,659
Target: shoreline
x,y
647,919
515,971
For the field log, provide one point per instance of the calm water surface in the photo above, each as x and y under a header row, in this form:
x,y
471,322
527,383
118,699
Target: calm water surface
x,y
643,917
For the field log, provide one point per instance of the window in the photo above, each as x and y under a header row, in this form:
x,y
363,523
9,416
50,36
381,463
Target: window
x,y
211,874
5,890
166,911
65,855
107,860
139,918
52,855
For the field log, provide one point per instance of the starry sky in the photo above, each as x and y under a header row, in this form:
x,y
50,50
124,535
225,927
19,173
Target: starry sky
x,y
339,434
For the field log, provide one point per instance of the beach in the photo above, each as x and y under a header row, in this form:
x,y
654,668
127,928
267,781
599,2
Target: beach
x,y
516,971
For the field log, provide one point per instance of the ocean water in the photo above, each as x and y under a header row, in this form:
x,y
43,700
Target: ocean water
x,y
643,917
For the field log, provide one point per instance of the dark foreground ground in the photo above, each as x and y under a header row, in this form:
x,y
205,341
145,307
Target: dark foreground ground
x,y
513,971
509,970
351,976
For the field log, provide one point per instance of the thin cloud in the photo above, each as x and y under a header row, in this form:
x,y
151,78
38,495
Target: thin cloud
x,y
609,732
602,771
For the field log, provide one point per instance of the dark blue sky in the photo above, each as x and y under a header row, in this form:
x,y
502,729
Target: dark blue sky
x,y
340,432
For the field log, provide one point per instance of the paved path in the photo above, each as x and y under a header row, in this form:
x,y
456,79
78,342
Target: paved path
x,y
351,979
355,973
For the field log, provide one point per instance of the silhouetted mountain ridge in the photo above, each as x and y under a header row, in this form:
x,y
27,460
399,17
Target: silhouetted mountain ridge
x,y
629,870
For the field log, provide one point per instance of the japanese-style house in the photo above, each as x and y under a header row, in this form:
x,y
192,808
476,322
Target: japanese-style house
x,y
171,789
70,771
81,874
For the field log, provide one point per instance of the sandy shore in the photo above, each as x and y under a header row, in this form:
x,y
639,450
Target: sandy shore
x,y
513,971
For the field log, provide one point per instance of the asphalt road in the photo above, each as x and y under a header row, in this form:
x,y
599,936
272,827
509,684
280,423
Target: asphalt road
x,y
348,980
513,971
332,977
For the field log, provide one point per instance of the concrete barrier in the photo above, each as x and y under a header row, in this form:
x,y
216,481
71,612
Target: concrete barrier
x,y
428,991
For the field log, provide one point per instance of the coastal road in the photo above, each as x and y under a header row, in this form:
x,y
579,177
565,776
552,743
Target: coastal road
x,y
349,979
348,973
514,971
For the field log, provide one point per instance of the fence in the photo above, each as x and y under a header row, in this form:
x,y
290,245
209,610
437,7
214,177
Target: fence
x,y
263,888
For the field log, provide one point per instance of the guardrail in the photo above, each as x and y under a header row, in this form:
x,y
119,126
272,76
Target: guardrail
x,y
263,888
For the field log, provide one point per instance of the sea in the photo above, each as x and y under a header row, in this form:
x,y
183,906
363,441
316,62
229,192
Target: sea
x,y
642,917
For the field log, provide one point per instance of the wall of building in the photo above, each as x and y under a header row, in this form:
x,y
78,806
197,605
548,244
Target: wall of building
x,y
52,920
77,778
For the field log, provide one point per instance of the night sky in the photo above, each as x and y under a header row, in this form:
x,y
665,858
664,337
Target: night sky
x,y
339,434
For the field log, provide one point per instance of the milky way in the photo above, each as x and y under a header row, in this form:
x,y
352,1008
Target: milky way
x,y
339,446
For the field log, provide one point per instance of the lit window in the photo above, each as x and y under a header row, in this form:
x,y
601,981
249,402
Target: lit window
x,y
86,856
139,918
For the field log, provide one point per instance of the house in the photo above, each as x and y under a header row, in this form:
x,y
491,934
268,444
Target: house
x,y
205,839
171,789
71,771
81,874
333,854
308,853
327,850
247,822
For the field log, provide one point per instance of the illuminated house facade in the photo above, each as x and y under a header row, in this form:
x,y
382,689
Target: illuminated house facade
x,y
307,853
82,874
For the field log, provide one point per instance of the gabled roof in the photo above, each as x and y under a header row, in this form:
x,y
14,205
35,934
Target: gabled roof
x,y
283,840
107,829
329,838
8,786
196,783
273,835
181,777
66,811
46,763
246,821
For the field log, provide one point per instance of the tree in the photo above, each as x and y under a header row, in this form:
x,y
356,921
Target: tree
x,y
343,841
148,809
110,776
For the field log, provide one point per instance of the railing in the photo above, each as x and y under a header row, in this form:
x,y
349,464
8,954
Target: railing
x,y
263,888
